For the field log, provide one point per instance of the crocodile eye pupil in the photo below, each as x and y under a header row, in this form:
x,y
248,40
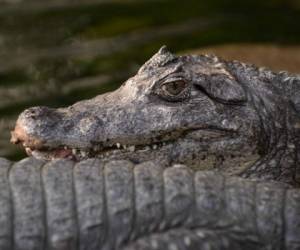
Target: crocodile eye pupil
x,y
174,88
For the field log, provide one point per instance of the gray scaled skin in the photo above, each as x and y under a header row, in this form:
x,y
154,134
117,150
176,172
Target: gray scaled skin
x,y
63,205
201,111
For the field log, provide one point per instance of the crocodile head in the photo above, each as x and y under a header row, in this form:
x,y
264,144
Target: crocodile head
x,y
176,109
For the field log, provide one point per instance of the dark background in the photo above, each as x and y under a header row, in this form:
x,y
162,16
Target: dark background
x,y
54,53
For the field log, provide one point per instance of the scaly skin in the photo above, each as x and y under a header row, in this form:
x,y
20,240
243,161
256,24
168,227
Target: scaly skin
x,y
90,205
201,111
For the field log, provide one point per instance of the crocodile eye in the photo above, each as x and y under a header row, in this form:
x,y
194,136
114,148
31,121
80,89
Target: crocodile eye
x,y
174,88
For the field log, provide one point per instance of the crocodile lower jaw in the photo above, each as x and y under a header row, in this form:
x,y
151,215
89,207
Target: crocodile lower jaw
x,y
117,150
80,154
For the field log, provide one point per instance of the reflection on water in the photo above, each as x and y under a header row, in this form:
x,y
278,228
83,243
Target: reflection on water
x,y
57,52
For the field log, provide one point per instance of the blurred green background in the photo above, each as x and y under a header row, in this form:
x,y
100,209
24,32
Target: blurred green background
x,y
55,53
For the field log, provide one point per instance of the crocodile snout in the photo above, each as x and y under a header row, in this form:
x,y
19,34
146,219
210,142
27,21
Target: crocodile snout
x,y
17,135
35,113
29,125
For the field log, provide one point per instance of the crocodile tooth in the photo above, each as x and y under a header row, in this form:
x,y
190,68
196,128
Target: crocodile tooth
x,y
154,146
178,165
65,147
164,144
154,243
147,148
220,65
74,151
118,145
200,234
83,154
187,241
132,148
28,151
124,146
95,148
216,59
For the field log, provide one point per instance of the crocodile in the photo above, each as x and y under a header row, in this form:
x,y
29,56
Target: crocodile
x,y
68,205
223,118
198,110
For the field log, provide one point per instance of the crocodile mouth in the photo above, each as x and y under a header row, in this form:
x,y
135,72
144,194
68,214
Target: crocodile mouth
x,y
78,154
35,147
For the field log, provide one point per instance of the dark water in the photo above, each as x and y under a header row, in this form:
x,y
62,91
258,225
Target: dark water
x,y
56,52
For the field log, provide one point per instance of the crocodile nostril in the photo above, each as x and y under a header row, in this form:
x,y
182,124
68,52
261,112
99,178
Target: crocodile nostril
x,y
14,138
30,126
36,112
